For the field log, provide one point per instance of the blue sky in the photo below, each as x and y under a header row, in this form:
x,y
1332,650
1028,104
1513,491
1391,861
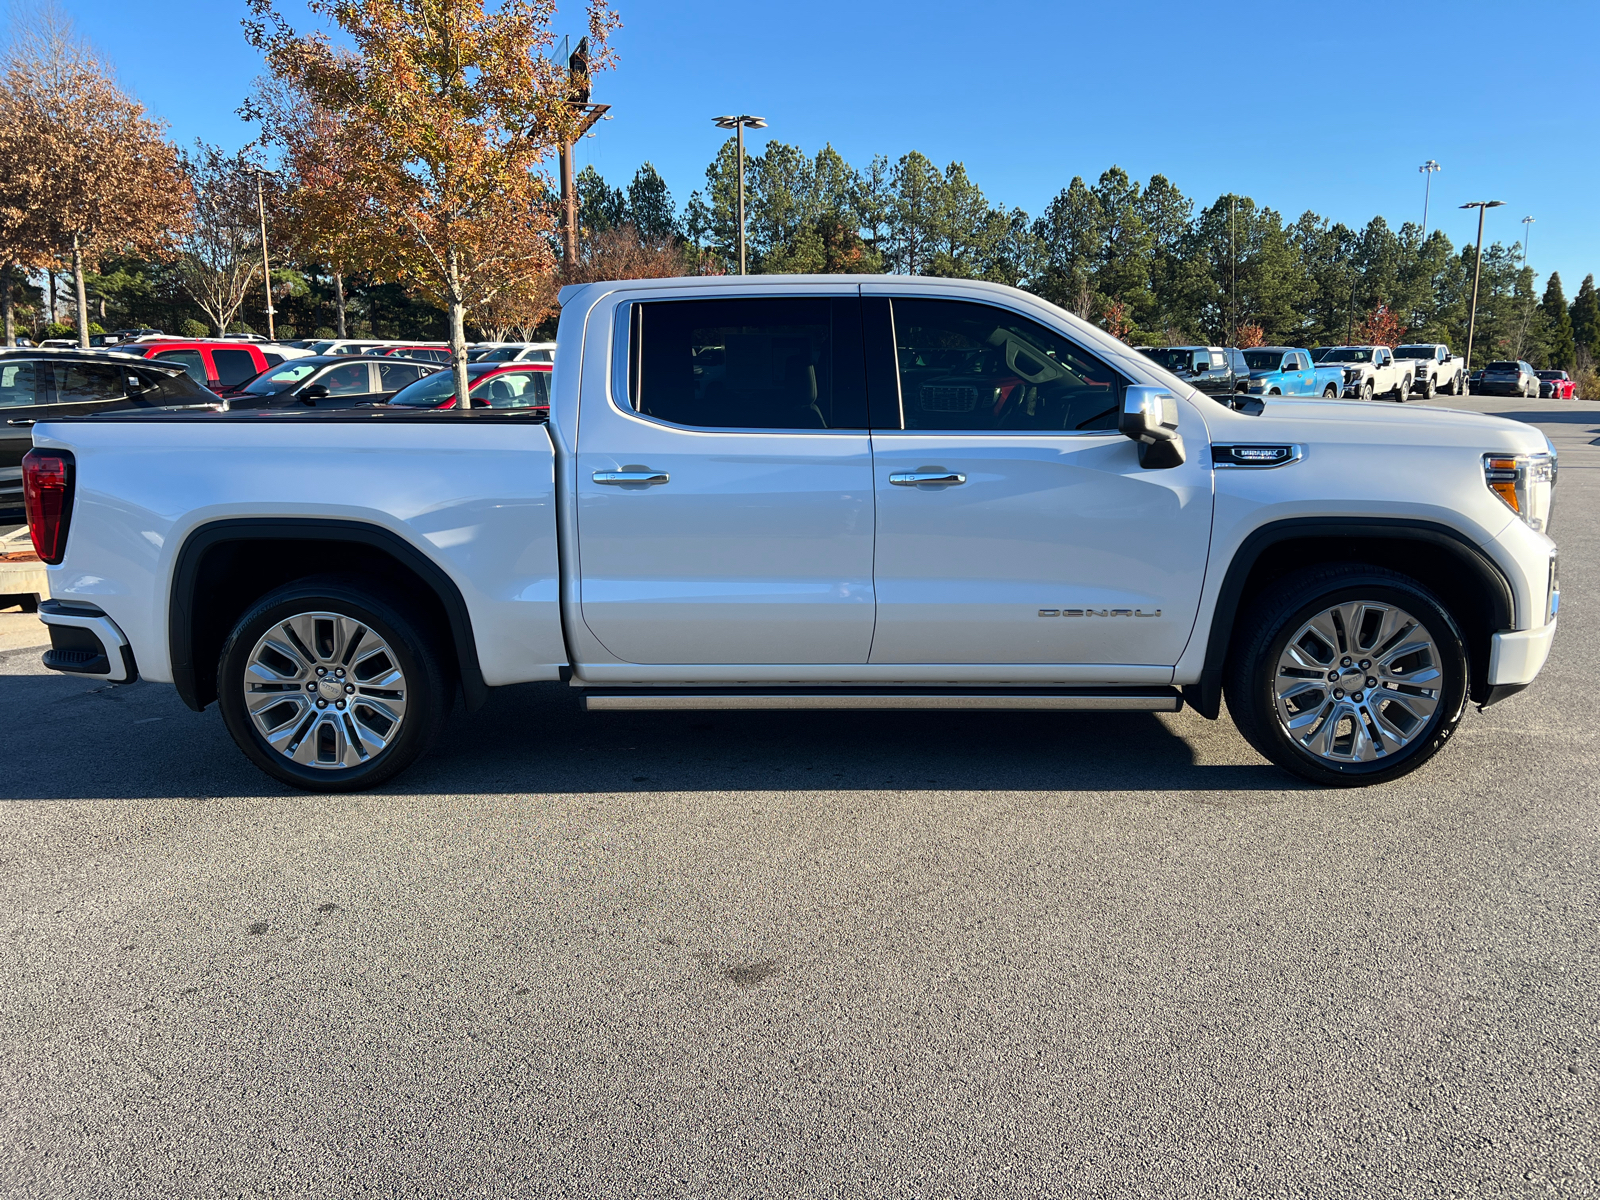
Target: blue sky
x,y
1298,105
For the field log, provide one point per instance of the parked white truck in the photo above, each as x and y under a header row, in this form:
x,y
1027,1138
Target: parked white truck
x,y
810,492
1370,371
1433,369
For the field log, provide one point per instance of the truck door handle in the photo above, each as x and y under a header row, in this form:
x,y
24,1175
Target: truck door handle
x,y
912,478
22,421
644,477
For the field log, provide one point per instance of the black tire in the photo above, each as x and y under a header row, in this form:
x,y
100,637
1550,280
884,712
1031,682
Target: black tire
x,y
1366,390
426,686
1330,392
1428,388
1281,612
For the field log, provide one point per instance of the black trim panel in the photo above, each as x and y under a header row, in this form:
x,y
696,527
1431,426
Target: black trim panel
x,y
1498,692
180,607
883,373
1206,696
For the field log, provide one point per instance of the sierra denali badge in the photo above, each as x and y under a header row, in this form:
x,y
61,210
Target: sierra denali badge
x,y
1097,612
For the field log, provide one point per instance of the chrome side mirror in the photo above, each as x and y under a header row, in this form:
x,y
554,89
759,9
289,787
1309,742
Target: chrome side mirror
x,y
1150,418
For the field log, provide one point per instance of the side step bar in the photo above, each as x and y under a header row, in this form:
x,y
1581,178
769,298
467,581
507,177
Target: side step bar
x,y
1159,699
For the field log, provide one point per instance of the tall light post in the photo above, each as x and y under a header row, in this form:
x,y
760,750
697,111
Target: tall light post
x,y
585,115
266,264
1427,169
1472,321
1527,228
741,122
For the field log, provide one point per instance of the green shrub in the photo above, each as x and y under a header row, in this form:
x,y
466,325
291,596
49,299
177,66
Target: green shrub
x,y
190,328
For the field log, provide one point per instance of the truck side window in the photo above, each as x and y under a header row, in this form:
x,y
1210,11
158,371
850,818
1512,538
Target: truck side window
x,y
190,360
974,366
752,363
233,366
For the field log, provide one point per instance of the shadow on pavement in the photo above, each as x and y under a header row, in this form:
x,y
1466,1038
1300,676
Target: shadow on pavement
x,y
77,741
1557,418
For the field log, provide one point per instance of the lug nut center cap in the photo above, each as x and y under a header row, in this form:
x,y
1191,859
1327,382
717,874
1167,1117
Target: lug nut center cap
x,y
329,688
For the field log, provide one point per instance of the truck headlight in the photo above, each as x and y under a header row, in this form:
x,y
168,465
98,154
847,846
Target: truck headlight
x,y
1525,483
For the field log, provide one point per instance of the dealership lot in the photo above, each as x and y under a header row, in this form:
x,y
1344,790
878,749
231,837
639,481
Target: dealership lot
x,y
794,953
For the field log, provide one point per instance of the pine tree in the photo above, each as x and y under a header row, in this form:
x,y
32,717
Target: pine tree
x,y
1585,314
650,206
1560,350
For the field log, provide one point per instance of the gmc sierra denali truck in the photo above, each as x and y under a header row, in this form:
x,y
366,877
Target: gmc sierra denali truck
x,y
810,492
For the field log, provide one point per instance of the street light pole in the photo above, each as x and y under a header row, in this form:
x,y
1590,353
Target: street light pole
x,y
1477,270
740,123
1427,169
1527,223
266,264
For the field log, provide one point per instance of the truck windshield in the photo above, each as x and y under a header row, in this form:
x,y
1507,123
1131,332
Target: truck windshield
x,y
1349,354
1414,351
1263,360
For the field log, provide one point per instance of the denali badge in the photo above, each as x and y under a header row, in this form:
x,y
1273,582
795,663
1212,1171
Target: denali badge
x,y
1097,612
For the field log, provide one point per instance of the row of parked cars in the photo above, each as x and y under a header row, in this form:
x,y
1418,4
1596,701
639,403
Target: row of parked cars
x,y
1330,372
150,371
1423,369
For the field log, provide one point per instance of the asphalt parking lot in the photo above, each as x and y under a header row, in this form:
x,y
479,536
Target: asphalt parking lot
x,y
806,954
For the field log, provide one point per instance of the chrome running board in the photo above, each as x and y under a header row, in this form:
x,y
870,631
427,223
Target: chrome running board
x,y
1164,699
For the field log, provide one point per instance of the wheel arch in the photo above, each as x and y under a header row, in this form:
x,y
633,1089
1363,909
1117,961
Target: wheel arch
x,y
1470,586
213,564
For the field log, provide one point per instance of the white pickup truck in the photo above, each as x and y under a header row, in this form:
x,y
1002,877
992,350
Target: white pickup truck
x,y
1370,371
1433,369
810,492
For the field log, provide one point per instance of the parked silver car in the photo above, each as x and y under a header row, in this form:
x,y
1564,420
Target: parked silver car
x,y
1506,378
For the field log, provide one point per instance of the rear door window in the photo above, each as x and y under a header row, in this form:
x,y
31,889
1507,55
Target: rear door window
x,y
192,362
16,385
749,363
234,366
89,383
351,379
514,389
396,375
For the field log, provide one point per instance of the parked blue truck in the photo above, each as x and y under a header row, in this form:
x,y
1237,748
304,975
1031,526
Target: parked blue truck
x,y
1289,371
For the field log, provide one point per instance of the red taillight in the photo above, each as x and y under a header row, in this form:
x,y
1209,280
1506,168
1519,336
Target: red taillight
x,y
47,497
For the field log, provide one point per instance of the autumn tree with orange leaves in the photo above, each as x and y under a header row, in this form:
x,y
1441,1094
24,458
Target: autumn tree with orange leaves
x,y
450,111
96,175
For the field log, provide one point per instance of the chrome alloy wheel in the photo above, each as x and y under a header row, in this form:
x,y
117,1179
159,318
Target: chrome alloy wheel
x,y
1358,682
325,690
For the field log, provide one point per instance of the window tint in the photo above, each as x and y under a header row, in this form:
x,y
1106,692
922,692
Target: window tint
x,y
16,384
514,389
234,366
192,362
87,383
273,358
749,363
973,366
1218,359
395,375
348,380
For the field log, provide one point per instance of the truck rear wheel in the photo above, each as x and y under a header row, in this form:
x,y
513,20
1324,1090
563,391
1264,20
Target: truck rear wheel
x,y
331,686
1330,392
1347,675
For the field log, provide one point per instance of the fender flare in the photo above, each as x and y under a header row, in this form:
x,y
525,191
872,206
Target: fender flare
x,y
1206,696
186,570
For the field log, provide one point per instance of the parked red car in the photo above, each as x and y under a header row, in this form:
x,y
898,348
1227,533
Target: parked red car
x,y
1557,385
221,366
491,385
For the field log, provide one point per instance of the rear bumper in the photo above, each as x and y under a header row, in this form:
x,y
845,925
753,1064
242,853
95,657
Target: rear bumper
x,y
84,641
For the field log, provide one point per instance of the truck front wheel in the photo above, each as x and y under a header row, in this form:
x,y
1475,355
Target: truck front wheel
x,y
331,686
1366,390
1347,675
1428,388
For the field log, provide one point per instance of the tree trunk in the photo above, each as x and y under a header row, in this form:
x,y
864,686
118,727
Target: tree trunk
x,y
338,296
7,280
458,336
52,274
83,299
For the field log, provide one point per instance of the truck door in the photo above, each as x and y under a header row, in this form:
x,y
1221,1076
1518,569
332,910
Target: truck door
x,y
1299,378
724,485
1015,524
